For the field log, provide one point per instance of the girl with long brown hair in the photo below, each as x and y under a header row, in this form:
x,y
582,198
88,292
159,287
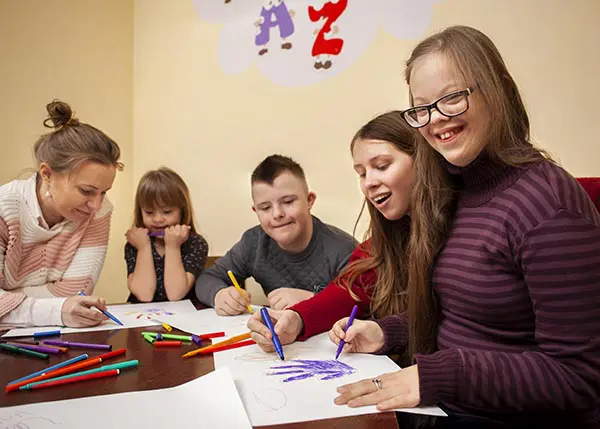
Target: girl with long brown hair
x,y
503,323
164,253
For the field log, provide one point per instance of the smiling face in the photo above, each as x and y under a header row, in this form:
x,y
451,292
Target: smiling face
x,y
283,210
75,195
459,139
386,176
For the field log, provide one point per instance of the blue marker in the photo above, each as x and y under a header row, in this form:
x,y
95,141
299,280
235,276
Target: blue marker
x,y
350,320
52,368
105,312
267,319
46,334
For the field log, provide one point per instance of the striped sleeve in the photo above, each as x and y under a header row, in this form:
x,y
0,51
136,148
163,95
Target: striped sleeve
x,y
560,262
395,334
8,300
84,269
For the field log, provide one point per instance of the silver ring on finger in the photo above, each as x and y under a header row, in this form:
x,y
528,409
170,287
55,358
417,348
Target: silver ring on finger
x,y
377,382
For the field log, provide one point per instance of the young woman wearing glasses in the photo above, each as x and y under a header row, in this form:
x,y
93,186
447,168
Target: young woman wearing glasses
x,y
503,300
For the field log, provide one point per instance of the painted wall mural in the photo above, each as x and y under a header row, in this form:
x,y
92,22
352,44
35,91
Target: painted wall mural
x,y
300,42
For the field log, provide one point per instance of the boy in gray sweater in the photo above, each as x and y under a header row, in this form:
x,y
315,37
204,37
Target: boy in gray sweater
x,y
291,254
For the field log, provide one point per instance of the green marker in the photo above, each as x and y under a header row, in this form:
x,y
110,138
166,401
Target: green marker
x,y
169,336
31,353
149,338
121,365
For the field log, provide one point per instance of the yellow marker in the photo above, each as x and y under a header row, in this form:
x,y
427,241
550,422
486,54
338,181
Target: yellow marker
x,y
167,327
239,289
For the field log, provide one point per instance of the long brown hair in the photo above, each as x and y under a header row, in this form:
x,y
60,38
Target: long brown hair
x,y
389,239
478,61
163,188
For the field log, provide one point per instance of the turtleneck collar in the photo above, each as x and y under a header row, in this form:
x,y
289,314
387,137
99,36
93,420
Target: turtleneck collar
x,y
482,179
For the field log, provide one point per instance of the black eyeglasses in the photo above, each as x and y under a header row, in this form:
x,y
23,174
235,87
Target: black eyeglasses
x,y
453,104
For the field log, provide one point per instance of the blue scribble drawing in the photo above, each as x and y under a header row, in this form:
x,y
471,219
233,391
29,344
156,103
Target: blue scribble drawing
x,y
326,369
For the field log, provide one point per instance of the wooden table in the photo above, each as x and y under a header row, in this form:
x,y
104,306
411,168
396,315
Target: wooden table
x,y
158,368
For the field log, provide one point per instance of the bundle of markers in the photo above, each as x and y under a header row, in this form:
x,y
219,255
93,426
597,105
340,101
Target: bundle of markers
x,y
158,339
72,371
47,347
172,340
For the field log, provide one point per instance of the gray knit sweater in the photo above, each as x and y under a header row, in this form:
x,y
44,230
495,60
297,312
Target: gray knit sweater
x,y
257,255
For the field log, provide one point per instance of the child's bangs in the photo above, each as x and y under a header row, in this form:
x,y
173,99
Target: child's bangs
x,y
160,194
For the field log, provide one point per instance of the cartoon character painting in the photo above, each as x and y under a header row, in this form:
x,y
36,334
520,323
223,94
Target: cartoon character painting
x,y
325,46
274,14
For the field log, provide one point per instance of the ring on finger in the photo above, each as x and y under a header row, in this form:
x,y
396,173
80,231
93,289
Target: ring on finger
x,y
377,382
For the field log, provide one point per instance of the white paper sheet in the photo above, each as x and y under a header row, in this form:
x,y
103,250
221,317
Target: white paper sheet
x,y
211,401
269,400
131,315
205,321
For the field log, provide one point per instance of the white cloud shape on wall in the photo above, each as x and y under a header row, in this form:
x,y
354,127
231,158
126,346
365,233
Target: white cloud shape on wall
x,y
321,37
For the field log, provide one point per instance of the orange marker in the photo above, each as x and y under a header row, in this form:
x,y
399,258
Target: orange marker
x,y
228,347
222,343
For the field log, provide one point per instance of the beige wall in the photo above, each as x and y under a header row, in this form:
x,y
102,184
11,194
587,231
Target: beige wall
x,y
80,51
214,128
190,116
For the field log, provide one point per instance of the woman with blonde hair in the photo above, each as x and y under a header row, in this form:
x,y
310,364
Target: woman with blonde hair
x,y
54,226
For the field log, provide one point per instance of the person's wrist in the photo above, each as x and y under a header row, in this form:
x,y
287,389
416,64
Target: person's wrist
x,y
217,295
145,244
172,245
298,323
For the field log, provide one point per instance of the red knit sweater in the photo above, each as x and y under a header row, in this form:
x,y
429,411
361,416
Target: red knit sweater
x,y
333,303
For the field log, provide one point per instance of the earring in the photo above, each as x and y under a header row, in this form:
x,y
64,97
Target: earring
x,y
47,194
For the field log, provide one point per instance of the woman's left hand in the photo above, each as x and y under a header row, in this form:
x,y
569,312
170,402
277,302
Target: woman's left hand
x,y
398,389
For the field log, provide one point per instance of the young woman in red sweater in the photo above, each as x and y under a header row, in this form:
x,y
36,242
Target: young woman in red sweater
x,y
375,277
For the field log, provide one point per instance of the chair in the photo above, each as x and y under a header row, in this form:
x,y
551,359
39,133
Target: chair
x,y
592,187
210,261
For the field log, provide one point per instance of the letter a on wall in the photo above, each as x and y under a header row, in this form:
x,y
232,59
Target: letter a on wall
x,y
299,42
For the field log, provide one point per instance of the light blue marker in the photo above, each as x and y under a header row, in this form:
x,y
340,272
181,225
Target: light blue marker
x,y
52,368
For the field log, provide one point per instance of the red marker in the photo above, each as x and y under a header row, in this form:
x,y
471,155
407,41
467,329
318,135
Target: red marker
x,y
167,343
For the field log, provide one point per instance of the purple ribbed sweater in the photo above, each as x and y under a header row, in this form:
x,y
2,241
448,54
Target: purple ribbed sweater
x,y
518,284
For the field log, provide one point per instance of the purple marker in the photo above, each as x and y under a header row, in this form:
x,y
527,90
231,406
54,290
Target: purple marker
x,y
40,349
157,234
350,320
78,345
